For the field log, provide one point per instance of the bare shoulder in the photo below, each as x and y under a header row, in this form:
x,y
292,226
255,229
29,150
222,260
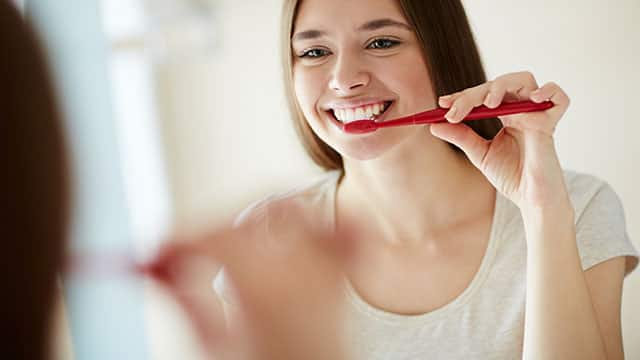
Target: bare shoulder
x,y
306,207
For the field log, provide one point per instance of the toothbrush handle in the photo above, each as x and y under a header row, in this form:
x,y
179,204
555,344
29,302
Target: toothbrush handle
x,y
437,116
482,112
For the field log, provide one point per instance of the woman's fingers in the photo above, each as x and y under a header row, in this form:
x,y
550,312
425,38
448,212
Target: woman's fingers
x,y
202,307
446,100
462,136
517,86
185,272
277,276
466,101
551,91
505,88
543,122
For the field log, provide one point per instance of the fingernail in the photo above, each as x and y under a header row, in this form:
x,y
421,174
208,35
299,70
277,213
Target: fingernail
x,y
535,96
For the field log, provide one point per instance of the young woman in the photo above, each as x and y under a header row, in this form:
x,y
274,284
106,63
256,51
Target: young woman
x,y
470,240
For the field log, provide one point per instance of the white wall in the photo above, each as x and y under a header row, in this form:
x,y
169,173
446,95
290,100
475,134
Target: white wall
x,y
229,140
226,124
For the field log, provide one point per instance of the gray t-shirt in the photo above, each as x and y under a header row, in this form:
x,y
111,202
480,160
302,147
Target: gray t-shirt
x,y
486,321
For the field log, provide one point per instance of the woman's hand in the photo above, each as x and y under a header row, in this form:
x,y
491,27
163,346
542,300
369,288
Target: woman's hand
x,y
286,290
521,160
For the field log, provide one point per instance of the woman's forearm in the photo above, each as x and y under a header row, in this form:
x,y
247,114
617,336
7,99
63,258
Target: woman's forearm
x,y
560,322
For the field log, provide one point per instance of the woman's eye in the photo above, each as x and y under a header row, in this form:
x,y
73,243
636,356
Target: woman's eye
x,y
382,44
314,53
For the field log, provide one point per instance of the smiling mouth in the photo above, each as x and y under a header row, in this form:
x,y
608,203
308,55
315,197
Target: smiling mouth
x,y
369,112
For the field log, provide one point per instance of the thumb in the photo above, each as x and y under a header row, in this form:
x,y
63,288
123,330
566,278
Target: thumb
x,y
462,136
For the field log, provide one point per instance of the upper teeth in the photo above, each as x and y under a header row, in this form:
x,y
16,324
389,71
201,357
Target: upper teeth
x,y
359,113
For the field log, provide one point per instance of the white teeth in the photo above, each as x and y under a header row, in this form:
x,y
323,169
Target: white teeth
x,y
349,115
368,112
361,113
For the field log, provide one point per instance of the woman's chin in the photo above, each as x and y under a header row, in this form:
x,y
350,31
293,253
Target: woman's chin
x,y
364,149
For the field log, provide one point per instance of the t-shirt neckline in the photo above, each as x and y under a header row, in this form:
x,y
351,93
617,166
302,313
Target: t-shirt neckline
x,y
367,309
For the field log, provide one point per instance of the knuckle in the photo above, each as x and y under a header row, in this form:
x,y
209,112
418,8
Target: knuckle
x,y
501,78
529,78
454,96
525,77
552,85
527,74
496,87
467,91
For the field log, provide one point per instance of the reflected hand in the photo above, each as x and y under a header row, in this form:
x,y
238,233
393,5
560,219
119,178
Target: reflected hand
x,y
287,294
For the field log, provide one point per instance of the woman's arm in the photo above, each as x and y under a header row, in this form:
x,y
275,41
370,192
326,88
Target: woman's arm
x,y
566,317
561,316
605,287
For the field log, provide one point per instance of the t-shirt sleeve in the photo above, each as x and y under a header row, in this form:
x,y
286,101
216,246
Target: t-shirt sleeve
x,y
601,231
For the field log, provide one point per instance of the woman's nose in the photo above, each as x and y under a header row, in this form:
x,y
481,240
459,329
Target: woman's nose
x,y
349,75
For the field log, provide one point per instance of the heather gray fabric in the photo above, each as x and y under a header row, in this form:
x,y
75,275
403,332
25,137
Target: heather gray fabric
x,y
486,321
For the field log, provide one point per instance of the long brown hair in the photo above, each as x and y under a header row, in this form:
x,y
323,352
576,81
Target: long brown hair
x,y
449,50
34,192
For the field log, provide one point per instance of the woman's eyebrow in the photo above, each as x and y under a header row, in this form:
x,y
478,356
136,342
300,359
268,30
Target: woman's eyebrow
x,y
368,26
308,34
381,23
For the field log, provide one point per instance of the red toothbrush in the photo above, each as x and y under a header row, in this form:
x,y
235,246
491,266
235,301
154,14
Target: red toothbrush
x,y
437,116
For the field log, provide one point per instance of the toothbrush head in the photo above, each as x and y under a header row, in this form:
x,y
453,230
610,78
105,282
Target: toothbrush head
x,y
360,127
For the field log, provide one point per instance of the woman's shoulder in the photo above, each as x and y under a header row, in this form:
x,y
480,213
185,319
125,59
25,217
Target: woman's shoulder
x,y
601,231
578,180
280,217
587,190
310,200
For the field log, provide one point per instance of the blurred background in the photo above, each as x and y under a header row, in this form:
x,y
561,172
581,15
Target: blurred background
x,y
177,120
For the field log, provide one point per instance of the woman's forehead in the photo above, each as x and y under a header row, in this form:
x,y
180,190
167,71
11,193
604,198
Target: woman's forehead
x,y
343,14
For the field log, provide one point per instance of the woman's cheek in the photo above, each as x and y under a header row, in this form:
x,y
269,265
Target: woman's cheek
x,y
306,94
299,89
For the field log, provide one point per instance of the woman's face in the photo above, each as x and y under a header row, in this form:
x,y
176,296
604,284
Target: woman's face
x,y
353,59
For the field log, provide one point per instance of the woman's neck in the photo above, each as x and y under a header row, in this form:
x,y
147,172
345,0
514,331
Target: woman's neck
x,y
420,188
